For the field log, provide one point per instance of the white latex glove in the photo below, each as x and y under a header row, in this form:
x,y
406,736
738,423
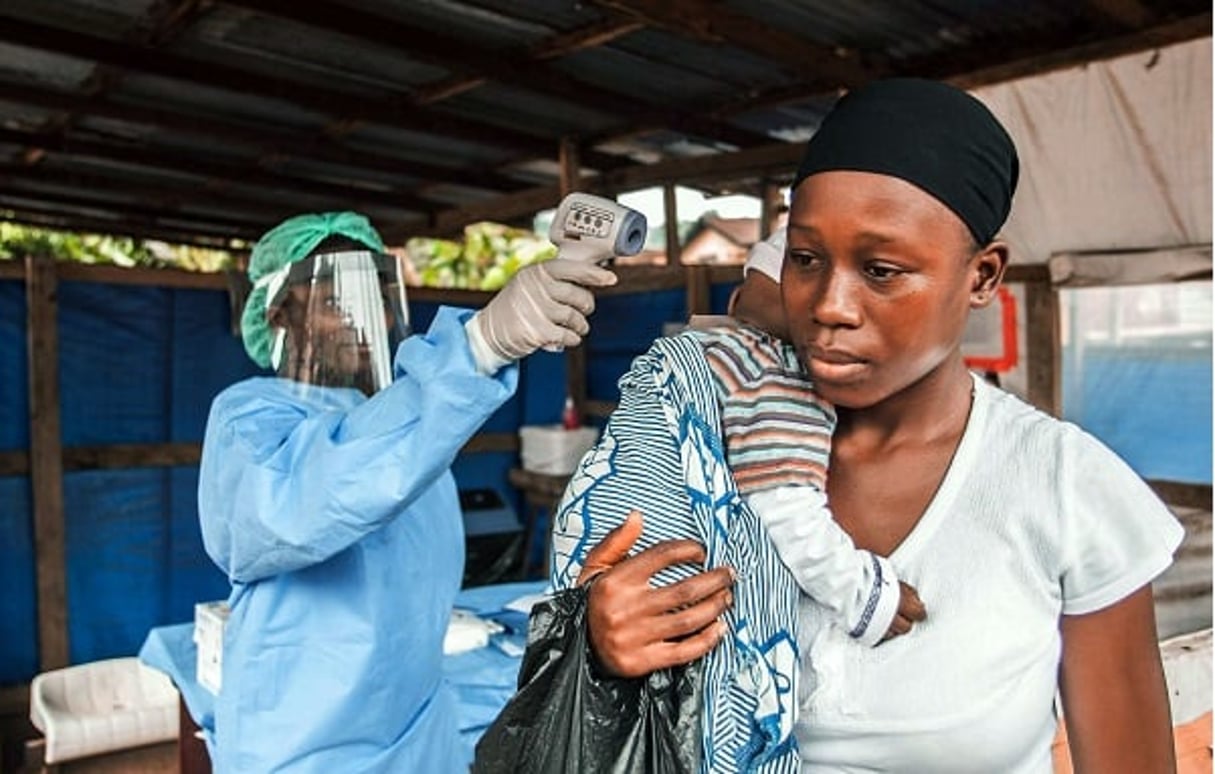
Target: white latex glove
x,y
544,305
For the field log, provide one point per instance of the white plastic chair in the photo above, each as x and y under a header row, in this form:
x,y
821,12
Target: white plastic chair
x,y
102,706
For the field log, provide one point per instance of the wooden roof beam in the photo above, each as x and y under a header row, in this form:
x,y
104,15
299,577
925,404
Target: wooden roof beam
x,y
564,44
711,22
777,161
457,56
985,64
1130,14
589,36
391,110
166,20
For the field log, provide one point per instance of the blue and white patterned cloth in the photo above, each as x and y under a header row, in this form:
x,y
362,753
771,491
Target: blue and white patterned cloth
x,y
661,453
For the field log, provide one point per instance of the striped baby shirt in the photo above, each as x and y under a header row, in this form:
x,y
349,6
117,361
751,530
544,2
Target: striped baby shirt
x,y
776,427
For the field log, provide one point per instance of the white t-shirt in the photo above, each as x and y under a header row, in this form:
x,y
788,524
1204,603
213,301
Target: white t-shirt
x,y
1035,518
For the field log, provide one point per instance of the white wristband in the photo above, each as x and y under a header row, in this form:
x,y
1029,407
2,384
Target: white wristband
x,y
875,617
859,587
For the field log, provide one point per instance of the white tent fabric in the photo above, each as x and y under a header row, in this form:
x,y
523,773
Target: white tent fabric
x,y
1115,155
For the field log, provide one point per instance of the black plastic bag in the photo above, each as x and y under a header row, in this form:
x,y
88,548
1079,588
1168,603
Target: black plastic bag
x,y
566,718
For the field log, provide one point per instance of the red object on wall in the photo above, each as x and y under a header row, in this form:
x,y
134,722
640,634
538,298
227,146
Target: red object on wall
x,y
569,415
1006,360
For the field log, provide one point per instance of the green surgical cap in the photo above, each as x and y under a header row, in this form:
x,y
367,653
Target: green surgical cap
x,y
288,242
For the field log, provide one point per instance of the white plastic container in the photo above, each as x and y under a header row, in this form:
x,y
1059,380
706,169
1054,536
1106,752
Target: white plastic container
x,y
210,618
468,631
1187,671
101,707
554,450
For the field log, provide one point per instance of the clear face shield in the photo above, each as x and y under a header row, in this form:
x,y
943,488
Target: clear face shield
x,y
337,319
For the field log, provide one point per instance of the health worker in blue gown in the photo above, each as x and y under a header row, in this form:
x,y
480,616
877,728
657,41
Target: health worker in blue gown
x,y
325,496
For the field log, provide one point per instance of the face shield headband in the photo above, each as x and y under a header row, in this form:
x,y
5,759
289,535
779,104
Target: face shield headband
x,y
337,319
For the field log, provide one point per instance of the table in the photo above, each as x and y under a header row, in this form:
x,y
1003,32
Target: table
x,y
483,679
541,494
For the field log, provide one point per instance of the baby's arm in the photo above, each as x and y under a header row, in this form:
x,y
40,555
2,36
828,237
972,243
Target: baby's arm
x,y
777,432
858,586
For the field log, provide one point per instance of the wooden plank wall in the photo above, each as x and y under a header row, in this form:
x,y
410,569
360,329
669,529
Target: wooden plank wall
x,y
47,460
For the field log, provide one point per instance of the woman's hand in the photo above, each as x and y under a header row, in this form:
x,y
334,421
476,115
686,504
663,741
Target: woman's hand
x,y
635,628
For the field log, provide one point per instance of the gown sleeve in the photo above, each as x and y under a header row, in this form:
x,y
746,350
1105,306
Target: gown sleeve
x,y
292,474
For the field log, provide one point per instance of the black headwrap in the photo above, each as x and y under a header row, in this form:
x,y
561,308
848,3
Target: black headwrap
x,y
930,134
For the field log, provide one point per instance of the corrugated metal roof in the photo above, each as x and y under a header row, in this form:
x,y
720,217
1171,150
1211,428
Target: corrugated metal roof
x,y
200,100
22,64
516,108
230,113
259,43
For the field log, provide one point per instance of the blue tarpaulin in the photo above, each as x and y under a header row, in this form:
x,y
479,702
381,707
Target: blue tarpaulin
x,y
141,365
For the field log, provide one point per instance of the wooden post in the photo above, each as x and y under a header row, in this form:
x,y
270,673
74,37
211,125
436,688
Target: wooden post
x,y
575,357
570,165
1044,349
670,214
768,208
46,462
698,289
696,278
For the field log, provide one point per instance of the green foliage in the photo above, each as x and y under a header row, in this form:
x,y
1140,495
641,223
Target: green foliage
x,y
489,255
18,241
189,257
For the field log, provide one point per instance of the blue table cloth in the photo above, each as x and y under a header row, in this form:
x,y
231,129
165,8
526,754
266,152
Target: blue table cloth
x,y
483,679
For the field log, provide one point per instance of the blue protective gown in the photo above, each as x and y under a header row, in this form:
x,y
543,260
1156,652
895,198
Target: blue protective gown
x,y
337,522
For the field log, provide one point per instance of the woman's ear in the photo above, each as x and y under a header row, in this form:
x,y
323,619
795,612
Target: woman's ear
x,y
987,272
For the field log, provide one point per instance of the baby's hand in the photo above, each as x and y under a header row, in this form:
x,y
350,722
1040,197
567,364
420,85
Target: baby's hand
x,y
911,610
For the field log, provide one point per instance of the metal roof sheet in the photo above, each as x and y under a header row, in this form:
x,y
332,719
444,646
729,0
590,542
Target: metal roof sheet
x,y
431,112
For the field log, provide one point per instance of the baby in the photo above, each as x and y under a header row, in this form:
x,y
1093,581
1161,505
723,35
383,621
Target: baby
x,y
777,432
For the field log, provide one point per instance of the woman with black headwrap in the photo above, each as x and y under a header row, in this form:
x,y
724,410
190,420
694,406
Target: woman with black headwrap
x,y
1032,545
